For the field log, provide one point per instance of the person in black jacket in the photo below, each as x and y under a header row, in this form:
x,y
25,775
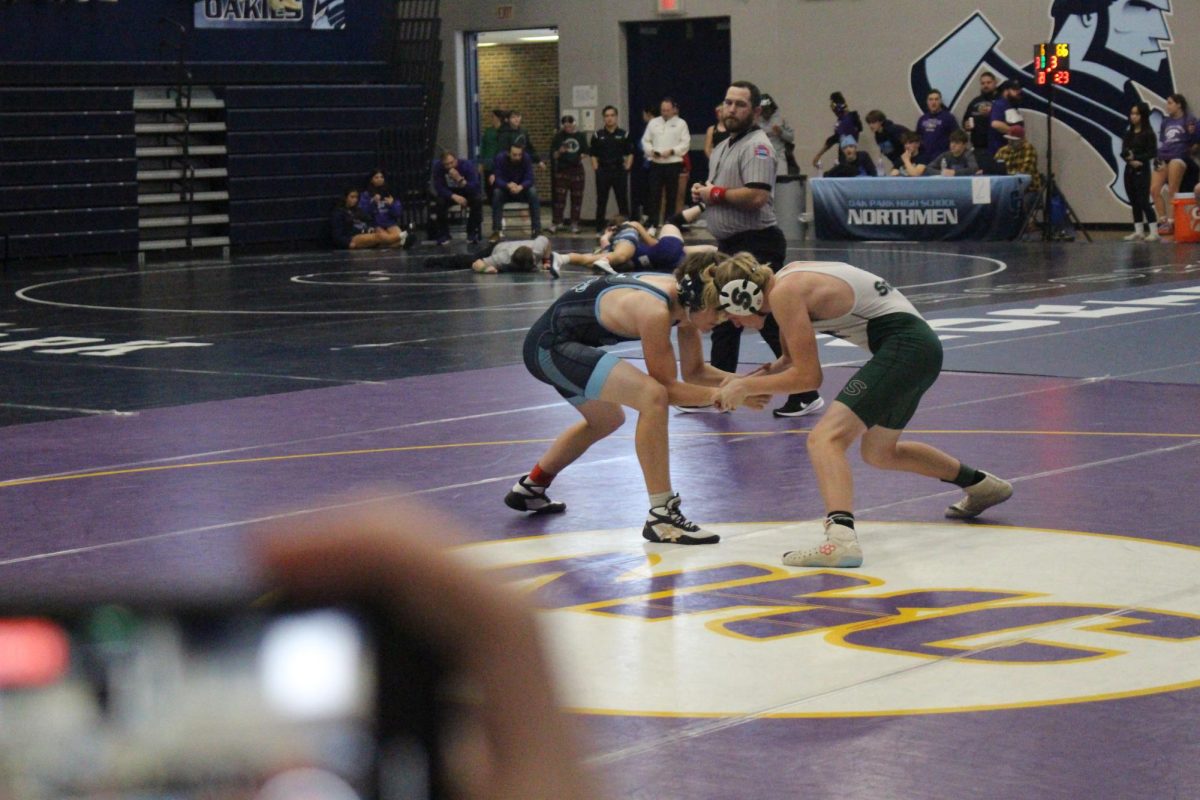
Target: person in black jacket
x,y
976,120
1139,148
889,136
350,226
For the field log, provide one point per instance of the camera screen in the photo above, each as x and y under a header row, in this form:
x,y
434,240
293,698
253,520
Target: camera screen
x,y
116,702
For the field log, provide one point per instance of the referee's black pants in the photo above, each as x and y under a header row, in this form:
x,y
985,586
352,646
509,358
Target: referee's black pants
x,y
769,247
611,178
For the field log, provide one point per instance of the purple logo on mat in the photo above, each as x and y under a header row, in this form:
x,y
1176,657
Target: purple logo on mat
x,y
995,613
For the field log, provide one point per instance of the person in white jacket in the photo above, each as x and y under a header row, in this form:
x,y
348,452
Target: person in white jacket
x,y
665,143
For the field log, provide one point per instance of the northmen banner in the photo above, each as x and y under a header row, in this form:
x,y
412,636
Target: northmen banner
x,y
925,209
317,15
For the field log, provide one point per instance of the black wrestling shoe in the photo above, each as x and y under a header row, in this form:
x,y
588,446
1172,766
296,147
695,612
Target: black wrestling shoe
x,y
526,496
796,407
668,525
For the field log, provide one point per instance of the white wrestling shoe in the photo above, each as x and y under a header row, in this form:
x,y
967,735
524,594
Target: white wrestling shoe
x,y
603,265
668,525
708,409
988,492
839,550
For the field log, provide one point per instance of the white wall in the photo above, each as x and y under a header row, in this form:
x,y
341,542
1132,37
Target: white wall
x,y
801,50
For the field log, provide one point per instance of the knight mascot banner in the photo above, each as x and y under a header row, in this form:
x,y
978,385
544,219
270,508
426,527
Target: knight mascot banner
x,y
317,15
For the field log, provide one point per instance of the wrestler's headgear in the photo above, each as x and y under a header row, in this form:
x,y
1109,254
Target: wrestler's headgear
x,y
691,292
741,298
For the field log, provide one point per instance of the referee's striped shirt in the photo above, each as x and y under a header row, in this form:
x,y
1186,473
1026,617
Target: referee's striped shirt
x,y
747,159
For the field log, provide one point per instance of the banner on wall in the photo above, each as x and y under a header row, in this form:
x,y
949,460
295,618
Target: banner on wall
x,y
983,207
316,15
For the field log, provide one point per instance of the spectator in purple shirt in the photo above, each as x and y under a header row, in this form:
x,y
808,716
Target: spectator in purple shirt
x,y
1175,134
513,175
848,124
455,181
935,126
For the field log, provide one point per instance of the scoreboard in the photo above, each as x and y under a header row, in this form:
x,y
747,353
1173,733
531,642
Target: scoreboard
x,y
1052,63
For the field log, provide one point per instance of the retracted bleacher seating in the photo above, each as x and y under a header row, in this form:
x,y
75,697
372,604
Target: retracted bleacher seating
x,y
68,171
292,151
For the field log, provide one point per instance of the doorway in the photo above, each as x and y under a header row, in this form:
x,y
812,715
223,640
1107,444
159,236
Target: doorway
x,y
685,59
514,69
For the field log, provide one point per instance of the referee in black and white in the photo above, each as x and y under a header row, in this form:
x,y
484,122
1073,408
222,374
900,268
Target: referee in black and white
x,y
741,215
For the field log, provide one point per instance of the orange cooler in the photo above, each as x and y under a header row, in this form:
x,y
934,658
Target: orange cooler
x,y
1187,218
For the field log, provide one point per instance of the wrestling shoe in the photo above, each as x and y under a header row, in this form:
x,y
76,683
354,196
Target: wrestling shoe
x,y
840,549
1137,236
556,264
526,496
708,409
988,492
603,265
796,407
668,525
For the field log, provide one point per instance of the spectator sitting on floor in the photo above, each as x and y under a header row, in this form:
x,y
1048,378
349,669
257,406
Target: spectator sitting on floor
x,y
1019,157
455,181
385,211
852,164
910,157
958,160
525,255
350,226
888,136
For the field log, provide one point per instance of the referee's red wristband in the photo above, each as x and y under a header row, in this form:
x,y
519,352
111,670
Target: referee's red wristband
x,y
716,195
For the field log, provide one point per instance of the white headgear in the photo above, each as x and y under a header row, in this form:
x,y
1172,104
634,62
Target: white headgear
x,y
741,298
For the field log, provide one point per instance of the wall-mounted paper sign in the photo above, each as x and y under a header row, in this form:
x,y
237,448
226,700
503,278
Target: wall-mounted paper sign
x,y
584,96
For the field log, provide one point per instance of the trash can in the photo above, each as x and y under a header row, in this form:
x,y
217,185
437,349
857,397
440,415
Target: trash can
x,y
1187,218
791,196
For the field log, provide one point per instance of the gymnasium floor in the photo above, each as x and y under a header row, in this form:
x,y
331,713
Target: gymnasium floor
x,y
1050,649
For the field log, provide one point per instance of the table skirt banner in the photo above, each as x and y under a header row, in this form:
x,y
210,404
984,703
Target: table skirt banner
x,y
982,207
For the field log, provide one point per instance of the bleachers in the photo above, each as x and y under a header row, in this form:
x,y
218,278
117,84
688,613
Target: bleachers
x,y
292,150
210,73
68,171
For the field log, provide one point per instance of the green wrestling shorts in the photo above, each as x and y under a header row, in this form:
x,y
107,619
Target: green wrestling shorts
x,y
906,358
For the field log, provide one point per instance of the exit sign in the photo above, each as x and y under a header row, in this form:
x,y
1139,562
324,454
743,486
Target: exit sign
x,y
670,6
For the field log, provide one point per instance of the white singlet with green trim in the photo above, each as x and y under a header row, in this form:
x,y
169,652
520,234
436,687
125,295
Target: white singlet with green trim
x,y
873,297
